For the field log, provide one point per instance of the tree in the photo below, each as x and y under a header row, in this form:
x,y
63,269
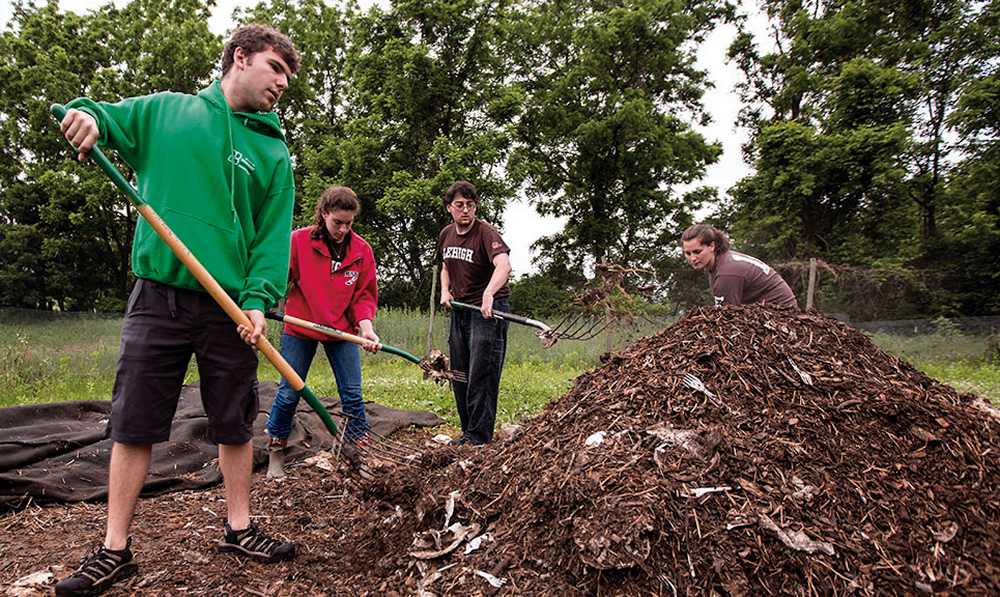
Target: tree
x,y
605,135
850,131
426,104
968,250
66,237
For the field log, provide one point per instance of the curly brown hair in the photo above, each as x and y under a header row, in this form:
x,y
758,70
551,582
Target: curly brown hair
x,y
256,37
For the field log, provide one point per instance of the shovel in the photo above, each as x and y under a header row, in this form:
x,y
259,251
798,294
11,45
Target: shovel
x,y
205,278
572,327
433,370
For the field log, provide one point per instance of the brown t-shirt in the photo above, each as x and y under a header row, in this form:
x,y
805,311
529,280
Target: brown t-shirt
x,y
469,259
740,279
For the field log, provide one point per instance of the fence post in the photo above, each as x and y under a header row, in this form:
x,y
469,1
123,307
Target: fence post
x,y
811,292
430,327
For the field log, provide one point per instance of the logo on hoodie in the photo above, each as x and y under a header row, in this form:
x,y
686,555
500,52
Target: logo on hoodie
x,y
242,162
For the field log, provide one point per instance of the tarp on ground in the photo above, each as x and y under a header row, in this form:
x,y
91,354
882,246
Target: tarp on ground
x,y
58,452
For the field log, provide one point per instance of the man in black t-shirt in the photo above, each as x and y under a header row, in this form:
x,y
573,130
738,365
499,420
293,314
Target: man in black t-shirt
x,y
475,264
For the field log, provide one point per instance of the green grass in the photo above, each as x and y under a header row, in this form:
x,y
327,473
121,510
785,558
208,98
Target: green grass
x,y
950,357
525,389
933,348
55,357
48,357
978,378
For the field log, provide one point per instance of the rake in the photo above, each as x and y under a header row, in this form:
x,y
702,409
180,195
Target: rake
x,y
435,370
572,327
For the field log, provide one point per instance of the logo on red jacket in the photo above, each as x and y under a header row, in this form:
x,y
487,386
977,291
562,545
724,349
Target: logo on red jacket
x,y
352,277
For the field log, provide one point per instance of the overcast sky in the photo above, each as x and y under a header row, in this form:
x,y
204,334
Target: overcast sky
x,y
523,225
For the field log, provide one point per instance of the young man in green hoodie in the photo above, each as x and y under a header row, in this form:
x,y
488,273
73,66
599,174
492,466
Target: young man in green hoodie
x,y
215,167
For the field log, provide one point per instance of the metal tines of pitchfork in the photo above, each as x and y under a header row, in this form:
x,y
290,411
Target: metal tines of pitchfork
x,y
695,384
379,446
580,326
572,327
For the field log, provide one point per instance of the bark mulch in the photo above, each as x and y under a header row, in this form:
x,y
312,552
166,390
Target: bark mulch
x,y
813,463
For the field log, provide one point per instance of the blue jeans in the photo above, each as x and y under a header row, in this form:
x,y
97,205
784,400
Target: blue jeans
x,y
345,360
477,346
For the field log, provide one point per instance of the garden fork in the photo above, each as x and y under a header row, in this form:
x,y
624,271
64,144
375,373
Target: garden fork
x,y
572,327
356,433
696,384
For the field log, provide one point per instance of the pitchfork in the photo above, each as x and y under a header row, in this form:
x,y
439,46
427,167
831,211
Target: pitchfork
x,y
378,445
433,370
572,327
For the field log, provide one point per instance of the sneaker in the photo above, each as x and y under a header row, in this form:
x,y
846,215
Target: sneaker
x,y
358,436
363,441
101,568
254,543
460,441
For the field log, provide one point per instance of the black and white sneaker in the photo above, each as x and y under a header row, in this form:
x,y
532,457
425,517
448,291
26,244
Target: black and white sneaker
x,y
101,568
254,543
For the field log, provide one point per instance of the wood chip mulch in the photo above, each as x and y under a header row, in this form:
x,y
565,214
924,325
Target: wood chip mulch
x,y
740,451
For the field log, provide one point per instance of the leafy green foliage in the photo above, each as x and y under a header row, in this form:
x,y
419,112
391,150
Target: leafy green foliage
x,y
873,135
852,119
65,238
425,106
600,140
538,296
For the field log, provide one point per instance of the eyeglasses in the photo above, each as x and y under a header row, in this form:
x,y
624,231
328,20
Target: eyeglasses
x,y
469,206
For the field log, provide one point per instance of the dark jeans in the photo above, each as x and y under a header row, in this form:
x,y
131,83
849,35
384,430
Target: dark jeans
x,y
477,346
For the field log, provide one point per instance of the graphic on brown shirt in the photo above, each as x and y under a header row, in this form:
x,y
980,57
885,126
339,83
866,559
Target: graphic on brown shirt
x,y
469,259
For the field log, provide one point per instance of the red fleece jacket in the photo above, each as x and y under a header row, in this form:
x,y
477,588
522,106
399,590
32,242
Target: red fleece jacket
x,y
337,298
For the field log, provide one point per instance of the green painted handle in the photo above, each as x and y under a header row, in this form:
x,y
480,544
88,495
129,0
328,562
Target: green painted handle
x,y
205,278
59,111
302,323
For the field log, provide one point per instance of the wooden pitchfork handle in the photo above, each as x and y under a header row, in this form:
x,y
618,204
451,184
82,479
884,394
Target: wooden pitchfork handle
x,y
205,278
302,323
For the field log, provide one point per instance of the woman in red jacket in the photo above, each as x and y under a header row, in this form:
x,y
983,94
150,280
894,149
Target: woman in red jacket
x,y
331,282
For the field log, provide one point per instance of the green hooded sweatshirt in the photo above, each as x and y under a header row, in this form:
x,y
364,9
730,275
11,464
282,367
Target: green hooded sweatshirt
x,y
221,181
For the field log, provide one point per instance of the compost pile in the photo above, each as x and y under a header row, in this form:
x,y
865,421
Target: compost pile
x,y
811,462
818,464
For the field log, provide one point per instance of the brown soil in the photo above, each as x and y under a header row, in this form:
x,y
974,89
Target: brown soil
x,y
820,465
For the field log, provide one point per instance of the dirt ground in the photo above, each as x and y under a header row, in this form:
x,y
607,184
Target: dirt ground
x,y
812,463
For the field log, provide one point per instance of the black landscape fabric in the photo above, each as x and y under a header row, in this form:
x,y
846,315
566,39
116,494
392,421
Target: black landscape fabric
x,y
58,453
